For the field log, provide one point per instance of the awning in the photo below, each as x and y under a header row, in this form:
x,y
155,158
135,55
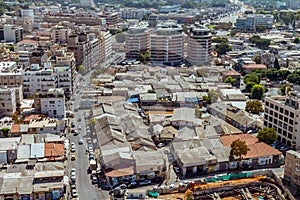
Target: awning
x,y
133,100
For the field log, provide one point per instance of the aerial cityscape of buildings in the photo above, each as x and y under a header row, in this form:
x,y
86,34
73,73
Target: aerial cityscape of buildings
x,y
150,100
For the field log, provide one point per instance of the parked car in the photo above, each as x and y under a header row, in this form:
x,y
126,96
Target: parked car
x,y
76,133
177,169
73,178
73,172
73,157
74,193
171,186
160,145
72,124
94,180
73,186
80,141
145,182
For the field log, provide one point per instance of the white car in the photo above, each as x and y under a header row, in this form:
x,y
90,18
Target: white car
x,y
74,193
73,172
171,186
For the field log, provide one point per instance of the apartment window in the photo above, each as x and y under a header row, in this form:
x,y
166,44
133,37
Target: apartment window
x,y
286,112
279,130
286,119
267,103
276,107
266,110
290,129
275,121
290,136
292,115
265,123
276,114
291,121
271,112
272,105
284,132
52,102
271,119
266,117
281,110
280,117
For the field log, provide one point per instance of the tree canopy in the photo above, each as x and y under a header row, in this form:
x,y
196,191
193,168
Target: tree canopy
x,y
252,77
257,91
260,42
230,80
267,135
81,69
223,48
238,149
254,107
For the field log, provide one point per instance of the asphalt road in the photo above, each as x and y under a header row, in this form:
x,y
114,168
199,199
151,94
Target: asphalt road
x,y
85,188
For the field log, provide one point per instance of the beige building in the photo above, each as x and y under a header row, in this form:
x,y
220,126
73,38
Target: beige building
x,y
137,41
282,113
60,34
198,46
43,125
105,46
167,46
292,168
8,101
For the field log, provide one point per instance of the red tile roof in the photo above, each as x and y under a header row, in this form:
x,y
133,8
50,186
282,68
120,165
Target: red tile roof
x,y
120,172
228,139
15,128
255,66
231,73
54,150
261,149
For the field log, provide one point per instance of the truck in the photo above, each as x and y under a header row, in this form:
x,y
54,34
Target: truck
x,y
93,165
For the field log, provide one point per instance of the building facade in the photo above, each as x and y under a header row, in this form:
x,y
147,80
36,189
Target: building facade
x,y
51,103
252,21
167,46
137,42
198,46
282,113
292,168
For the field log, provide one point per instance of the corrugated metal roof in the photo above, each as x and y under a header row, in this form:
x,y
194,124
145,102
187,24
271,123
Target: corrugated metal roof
x,y
37,150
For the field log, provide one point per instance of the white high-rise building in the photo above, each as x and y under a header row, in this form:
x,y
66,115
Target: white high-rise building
x,y
87,3
283,114
198,46
137,41
167,46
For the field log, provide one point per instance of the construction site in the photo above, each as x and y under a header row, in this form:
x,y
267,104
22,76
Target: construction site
x,y
243,186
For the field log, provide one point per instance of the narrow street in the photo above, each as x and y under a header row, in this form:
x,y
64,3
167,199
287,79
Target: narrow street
x,y
85,188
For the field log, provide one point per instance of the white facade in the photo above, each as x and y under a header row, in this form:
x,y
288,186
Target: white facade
x,y
198,46
12,33
52,103
133,13
282,113
35,81
167,46
64,79
87,3
105,46
8,101
137,41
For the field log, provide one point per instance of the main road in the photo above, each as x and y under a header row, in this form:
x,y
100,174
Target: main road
x,y
85,188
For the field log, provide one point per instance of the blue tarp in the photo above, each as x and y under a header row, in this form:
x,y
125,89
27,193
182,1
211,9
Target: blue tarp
x,y
133,100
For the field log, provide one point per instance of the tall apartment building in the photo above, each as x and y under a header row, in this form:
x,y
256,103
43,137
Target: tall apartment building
x,y
133,13
11,33
153,20
251,21
9,74
8,101
86,48
51,103
64,79
137,41
167,46
60,34
87,3
283,114
111,18
292,168
198,46
105,45
37,80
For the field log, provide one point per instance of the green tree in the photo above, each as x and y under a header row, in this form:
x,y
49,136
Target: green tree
x,y
284,88
257,91
223,48
219,40
257,59
151,91
238,149
120,37
261,28
230,80
267,135
5,132
249,86
297,40
81,70
254,107
144,57
198,111
213,96
206,99
252,77
276,64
